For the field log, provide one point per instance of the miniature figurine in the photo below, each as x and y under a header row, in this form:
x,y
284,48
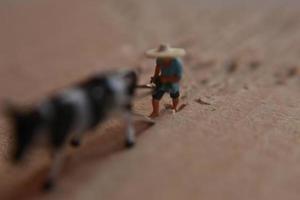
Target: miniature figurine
x,y
167,75
72,112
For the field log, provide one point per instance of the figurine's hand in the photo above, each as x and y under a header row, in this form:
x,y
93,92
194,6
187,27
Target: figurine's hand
x,y
152,80
155,79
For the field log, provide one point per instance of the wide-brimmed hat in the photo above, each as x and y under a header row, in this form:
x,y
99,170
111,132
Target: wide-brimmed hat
x,y
165,51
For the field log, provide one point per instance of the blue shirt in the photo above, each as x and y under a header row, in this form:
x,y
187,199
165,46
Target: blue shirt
x,y
173,69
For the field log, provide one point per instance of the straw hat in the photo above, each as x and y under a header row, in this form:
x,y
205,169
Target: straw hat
x,y
165,51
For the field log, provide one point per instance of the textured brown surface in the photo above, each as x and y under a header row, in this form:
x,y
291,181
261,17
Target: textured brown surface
x,y
239,135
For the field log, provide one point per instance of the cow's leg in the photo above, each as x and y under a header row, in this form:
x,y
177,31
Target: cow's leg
x,y
76,139
55,169
130,131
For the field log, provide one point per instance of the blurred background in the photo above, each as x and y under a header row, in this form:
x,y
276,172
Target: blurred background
x,y
243,60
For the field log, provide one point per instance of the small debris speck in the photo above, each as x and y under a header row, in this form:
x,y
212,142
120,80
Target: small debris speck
x,y
292,72
231,66
200,101
254,64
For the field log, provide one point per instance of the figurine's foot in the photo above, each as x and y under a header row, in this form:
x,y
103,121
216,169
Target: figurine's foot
x,y
153,115
48,185
171,107
75,142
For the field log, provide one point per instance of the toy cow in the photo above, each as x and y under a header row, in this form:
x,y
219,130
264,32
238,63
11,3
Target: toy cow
x,y
70,113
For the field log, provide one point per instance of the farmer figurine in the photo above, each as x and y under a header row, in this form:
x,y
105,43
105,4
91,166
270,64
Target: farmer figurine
x,y
168,73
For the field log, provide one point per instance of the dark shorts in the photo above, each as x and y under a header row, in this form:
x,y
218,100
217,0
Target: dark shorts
x,y
158,94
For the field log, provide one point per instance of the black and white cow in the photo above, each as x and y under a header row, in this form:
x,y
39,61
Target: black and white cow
x,y
67,115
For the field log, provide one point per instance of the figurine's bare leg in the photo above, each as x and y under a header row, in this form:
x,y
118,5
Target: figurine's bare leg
x,y
155,105
130,131
175,103
55,169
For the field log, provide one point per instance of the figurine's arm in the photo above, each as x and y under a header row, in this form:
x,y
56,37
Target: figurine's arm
x,y
156,74
157,71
